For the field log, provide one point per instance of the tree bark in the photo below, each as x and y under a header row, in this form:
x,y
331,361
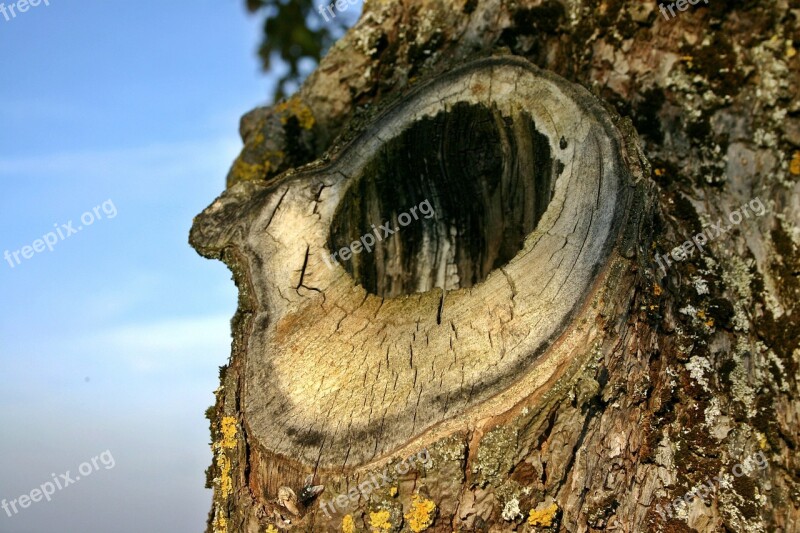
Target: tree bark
x,y
530,352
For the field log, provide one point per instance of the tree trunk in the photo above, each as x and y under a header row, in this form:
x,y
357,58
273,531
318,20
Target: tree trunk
x,y
472,298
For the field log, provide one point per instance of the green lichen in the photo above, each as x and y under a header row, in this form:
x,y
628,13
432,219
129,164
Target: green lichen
x,y
495,455
243,171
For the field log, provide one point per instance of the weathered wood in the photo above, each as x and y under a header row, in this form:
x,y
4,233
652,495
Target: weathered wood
x,y
531,211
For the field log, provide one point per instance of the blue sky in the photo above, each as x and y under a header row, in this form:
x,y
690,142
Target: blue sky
x,y
112,340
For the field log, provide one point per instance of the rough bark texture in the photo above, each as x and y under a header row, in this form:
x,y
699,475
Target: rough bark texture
x,y
663,381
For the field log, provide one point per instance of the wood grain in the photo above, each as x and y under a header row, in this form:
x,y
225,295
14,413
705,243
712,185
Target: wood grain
x,y
338,375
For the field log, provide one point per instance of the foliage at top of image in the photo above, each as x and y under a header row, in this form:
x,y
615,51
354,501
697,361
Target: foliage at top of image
x,y
289,35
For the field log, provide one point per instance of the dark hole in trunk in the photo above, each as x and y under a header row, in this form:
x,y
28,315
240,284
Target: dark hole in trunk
x,y
459,192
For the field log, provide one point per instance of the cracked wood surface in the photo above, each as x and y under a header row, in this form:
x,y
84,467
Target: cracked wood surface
x,y
337,377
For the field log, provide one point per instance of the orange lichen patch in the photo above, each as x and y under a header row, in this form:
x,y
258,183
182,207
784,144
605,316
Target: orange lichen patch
x,y
380,521
794,166
294,107
659,172
657,290
228,432
348,526
543,517
420,515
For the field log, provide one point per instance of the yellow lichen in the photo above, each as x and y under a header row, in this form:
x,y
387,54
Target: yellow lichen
x,y
272,160
295,107
543,517
228,432
242,171
227,441
420,516
220,524
794,166
348,526
225,480
380,521
271,529
393,492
